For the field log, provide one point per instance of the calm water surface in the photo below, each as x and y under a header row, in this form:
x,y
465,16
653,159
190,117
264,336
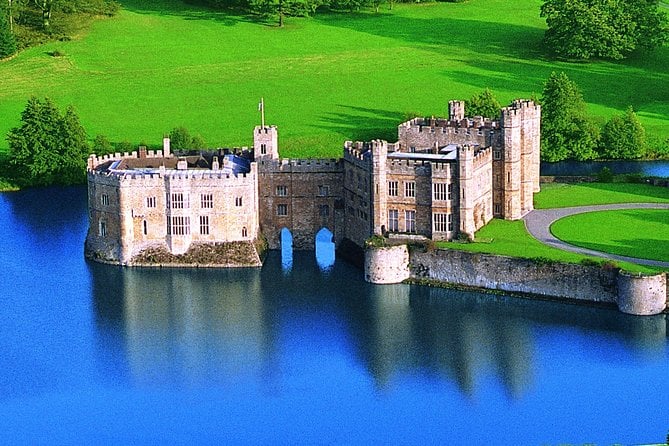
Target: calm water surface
x,y
647,168
299,355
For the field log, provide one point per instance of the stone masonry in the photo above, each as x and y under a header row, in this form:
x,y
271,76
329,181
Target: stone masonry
x,y
443,178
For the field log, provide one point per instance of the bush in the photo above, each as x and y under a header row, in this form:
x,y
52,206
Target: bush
x,y
605,175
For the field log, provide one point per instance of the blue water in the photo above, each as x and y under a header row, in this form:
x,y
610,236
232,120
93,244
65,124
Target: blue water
x,y
569,168
308,355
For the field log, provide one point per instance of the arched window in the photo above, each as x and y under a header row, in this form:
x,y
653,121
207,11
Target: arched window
x,y
145,227
245,232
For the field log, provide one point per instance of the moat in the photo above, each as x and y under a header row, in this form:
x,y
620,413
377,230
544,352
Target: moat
x,y
299,355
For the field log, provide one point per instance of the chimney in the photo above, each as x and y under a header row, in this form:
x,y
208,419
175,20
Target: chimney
x,y
166,147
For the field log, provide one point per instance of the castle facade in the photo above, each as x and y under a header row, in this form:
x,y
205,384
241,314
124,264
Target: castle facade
x,y
444,178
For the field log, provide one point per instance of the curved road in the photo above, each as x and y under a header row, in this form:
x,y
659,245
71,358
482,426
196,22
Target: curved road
x,y
538,224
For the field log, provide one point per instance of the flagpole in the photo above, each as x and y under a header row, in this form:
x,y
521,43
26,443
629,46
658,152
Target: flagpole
x,y
262,112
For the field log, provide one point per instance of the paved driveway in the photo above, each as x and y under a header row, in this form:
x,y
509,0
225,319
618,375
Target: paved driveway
x,y
538,224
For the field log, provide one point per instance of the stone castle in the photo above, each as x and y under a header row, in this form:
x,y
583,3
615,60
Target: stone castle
x,y
442,179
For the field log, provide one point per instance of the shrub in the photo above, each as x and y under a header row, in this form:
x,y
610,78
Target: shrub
x,y
605,175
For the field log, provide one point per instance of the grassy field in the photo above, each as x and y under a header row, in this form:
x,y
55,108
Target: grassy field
x,y
161,64
512,239
637,233
559,195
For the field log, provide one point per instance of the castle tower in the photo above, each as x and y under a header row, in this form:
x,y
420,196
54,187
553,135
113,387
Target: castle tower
x,y
465,176
456,110
266,142
379,190
512,168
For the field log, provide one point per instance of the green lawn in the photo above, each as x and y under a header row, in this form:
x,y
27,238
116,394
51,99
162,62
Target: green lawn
x,y
558,195
326,79
637,233
510,238
652,229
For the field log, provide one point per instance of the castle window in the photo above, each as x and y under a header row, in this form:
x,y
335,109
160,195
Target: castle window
x,y
449,191
508,177
245,232
324,210
179,201
410,218
282,210
393,220
440,191
498,208
323,191
102,229
145,227
392,188
442,222
204,224
410,189
281,191
207,201
180,225
238,201
104,199
496,155
263,149
150,202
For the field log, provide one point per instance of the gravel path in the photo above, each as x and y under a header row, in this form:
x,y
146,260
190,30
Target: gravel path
x,y
538,224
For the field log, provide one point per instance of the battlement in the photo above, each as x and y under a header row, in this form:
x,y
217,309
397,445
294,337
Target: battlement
x,y
94,160
442,125
301,165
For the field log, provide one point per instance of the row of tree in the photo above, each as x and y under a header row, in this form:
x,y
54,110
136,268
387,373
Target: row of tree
x,y
300,8
568,132
604,29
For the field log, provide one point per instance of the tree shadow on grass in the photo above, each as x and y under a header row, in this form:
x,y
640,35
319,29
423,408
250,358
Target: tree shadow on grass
x,y
642,190
500,39
640,248
363,124
179,8
512,58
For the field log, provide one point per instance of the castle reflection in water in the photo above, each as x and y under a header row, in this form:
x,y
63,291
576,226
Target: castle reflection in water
x,y
197,327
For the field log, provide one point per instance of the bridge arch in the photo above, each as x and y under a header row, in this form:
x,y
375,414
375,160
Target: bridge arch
x,y
325,249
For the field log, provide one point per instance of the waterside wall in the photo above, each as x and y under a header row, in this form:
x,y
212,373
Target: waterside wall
x,y
632,294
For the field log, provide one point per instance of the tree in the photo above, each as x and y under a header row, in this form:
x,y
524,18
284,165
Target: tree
x,y
7,39
48,148
623,137
180,139
566,130
280,8
102,145
483,104
611,29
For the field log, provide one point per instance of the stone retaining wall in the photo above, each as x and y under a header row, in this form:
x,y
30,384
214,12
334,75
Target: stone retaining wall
x,y
633,294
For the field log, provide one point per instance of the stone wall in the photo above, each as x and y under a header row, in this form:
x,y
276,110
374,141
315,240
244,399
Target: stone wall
x,y
633,294
388,264
303,196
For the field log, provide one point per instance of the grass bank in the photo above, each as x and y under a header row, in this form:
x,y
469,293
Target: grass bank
x,y
162,64
637,235
640,233
560,195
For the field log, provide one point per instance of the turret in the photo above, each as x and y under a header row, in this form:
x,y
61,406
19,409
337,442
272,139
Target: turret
x,y
266,143
456,110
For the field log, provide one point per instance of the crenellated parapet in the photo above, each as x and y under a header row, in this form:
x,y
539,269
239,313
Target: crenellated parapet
x,y
304,165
